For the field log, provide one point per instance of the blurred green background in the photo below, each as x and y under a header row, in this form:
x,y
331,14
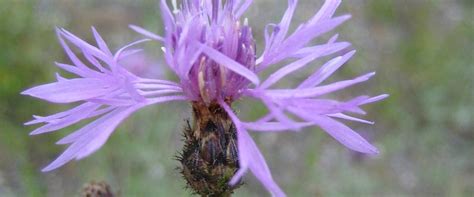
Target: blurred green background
x,y
422,51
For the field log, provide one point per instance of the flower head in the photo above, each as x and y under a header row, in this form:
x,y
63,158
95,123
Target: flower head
x,y
213,53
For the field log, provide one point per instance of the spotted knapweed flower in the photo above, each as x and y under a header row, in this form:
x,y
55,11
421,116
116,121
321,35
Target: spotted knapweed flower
x,y
213,53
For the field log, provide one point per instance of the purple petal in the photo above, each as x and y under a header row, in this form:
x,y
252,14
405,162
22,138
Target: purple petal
x,y
127,53
326,11
133,92
231,64
276,111
338,131
333,39
91,137
68,120
146,33
327,106
298,39
158,92
74,70
168,22
326,49
279,74
326,70
101,43
94,62
54,117
268,41
346,117
272,126
308,33
257,163
284,24
250,157
279,114
60,78
243,8
85,46
144,86
116,102
118,54
375,99
70,90
166,99
86,71
317,91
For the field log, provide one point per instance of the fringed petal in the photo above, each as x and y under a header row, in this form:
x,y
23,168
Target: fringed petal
x,y
338,131
317,91
243,8
101,43
146,33
326,70
71,90
72,118
273,126
91,137
250,157
350,118
326,12
301,63
230,64
300,38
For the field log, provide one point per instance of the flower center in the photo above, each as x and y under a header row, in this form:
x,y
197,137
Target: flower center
x,y
216,27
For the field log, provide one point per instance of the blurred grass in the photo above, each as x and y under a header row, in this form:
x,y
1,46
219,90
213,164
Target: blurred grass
x,y
422,51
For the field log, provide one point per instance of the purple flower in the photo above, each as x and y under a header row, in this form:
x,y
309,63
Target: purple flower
x,y
212,51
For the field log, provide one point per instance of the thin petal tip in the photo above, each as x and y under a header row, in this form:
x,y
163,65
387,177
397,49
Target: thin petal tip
x,y
62,142
27,92
384,96
346,17
373,151
49,168
132,26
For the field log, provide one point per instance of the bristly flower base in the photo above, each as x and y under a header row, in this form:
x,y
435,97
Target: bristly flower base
x,y
97,189
209,158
